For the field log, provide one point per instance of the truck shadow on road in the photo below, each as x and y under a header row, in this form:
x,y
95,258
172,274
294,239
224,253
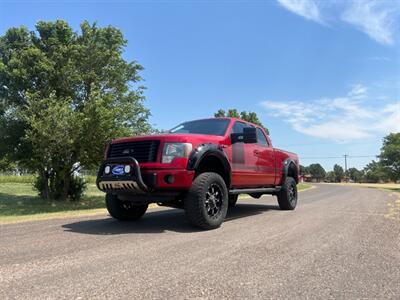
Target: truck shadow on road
x,y
158,221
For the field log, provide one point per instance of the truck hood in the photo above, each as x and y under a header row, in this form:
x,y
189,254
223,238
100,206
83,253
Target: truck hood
x,y
180,138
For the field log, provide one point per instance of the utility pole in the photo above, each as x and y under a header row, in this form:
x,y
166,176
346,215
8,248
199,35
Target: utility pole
x,y
345,166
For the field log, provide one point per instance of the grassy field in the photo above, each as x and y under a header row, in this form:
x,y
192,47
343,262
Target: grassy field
x,y
19,203
303,186
31,179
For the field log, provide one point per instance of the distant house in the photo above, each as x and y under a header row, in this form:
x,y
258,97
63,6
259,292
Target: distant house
x,y
306,178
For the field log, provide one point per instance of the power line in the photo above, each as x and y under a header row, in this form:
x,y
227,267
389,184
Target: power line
x,y
336,157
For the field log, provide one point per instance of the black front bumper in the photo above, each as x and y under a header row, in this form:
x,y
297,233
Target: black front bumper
x,y
132,182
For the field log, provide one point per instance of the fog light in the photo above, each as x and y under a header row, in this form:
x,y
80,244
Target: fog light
x,y
107,170
127,169
169,179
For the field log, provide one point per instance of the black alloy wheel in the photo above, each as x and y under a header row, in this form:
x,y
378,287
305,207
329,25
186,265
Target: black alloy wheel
x,y
206,203
214,200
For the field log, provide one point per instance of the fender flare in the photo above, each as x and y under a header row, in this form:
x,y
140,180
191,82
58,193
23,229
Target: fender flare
x,y
285,169
205,150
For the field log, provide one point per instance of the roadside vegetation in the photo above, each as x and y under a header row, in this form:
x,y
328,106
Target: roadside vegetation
x,y
20,202
303,186
64,96
384,170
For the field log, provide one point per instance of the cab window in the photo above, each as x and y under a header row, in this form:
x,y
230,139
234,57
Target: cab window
x,y
262,140
239,126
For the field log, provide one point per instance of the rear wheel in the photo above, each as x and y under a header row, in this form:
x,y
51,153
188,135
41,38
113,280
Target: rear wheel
x,y
206,203
287,196
124,210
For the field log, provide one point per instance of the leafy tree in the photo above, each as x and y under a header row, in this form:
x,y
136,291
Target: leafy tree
x,y
304,170
6,165
390,155
247,116
330,176
375,172
63,96
355,175
317,171
220,113
233,113
339,173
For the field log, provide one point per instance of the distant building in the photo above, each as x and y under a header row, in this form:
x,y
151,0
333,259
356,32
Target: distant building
x,y
306,178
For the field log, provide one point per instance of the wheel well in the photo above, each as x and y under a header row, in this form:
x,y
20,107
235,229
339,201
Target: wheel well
x,y
293,172
214,164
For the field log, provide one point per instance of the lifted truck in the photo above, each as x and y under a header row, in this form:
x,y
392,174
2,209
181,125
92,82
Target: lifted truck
x,y
201,166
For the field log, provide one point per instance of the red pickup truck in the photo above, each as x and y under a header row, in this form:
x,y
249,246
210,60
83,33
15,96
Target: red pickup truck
x,y
201,166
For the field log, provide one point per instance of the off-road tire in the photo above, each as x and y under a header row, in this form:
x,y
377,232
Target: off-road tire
x,y
287,196
232,200
124,210
198,201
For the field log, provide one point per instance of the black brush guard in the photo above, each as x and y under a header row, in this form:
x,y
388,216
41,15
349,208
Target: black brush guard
x,y
132,183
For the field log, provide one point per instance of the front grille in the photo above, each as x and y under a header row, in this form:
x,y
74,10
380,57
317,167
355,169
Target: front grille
x,y
142,151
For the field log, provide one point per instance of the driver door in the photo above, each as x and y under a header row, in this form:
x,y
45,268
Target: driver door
x,y
243,160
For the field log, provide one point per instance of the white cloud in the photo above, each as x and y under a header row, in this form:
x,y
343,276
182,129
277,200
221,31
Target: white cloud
x,y
390,120
358,91
305,8
343,118
336,130
378,19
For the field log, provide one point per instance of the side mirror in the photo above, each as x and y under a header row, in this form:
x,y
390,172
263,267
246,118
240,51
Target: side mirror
x,y
250,135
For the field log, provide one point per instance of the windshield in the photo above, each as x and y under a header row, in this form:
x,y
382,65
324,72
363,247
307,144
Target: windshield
x,y
207,126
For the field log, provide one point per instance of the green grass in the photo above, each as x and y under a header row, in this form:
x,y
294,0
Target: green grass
x,y
303,186
90,179
17,179
18,201
31,178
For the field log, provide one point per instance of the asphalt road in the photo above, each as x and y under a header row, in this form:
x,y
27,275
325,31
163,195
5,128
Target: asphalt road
x,y
340,242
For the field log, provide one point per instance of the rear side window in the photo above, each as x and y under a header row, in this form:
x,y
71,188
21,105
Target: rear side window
x,y
262,140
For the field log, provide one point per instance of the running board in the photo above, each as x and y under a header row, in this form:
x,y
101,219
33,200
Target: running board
x,y
256,191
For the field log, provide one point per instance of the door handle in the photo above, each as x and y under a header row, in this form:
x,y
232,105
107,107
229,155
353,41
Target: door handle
x,y
256,152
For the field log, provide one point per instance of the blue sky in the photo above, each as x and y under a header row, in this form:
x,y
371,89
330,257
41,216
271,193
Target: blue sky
x,y
323,76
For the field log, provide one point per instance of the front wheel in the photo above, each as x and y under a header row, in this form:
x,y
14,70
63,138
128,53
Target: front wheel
x,y
287,196
206,203
124,210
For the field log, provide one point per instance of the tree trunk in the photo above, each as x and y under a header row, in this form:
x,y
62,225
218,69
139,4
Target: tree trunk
x,y
45,191
67,182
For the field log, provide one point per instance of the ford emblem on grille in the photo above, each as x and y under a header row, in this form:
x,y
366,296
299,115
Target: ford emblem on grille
x,y
118,170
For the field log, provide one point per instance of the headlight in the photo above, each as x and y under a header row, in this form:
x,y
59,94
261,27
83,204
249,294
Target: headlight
x,y
172,150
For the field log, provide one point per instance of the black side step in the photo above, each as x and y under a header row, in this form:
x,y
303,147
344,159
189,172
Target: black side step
x,y
256,190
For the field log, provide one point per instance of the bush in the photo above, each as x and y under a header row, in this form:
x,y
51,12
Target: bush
x,y
77,186
90,179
